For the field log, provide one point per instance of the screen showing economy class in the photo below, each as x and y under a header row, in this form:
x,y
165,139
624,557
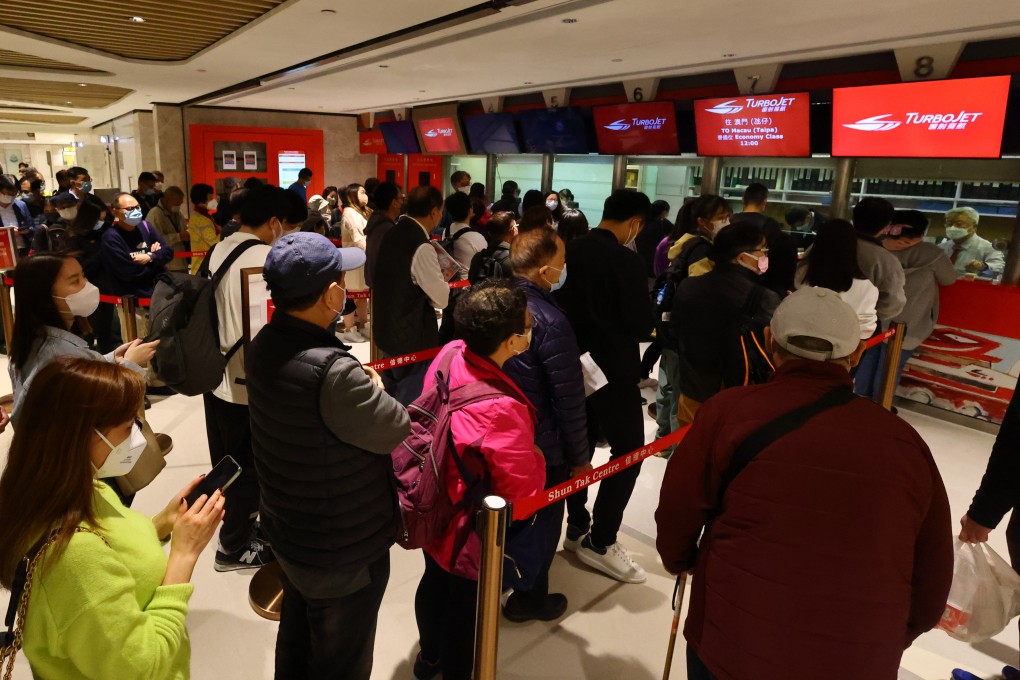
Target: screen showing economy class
x,y
769,125
492,133
637,129
554,131
440,135
400,137
939,119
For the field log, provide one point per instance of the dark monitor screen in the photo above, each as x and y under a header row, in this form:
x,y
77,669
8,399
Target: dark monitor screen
x,y
555,131
492,133
400,137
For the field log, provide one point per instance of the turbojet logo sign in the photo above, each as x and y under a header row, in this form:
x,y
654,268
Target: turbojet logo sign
x,y
637,128
439,135
911,119
771,125
644,123
440,132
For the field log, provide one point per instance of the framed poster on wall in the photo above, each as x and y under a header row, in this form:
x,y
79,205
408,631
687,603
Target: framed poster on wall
x,y
229,160
232,155
251,160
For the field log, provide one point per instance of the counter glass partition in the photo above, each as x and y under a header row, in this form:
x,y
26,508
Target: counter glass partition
x,y
589,178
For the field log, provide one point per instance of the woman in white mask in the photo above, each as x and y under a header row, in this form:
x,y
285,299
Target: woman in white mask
x,y
697,225
105,601
54,299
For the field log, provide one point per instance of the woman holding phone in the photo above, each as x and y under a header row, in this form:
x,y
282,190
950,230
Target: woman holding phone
x,y
105,601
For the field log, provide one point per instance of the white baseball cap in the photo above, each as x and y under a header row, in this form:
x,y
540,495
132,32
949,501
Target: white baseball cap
x,y
817,313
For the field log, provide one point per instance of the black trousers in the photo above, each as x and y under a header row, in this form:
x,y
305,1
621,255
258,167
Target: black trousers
x,y
405,383
106,326
552,519
445,609
649,358
616,411
330,639
228,428
696,669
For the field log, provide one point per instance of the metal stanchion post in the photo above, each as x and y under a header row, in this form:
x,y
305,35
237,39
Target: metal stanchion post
x,y
6,310
891,368
492,522
130,330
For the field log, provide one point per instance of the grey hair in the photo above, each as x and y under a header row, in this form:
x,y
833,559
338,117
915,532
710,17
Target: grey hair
x,y
965,210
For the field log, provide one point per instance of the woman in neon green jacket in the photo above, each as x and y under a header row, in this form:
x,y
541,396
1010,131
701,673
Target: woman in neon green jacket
x,y
105,601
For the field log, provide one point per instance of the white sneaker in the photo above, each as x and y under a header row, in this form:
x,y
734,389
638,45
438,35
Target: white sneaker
x,y
352,336
616,563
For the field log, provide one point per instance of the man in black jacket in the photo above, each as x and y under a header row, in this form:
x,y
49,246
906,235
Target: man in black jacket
x,y
606,301
389,199
1000,489
322,432
782,246
408,286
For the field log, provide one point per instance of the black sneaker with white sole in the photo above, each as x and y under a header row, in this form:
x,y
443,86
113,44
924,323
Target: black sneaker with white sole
x,y
255,555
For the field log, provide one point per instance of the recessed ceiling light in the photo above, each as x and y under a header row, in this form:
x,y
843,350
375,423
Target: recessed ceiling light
x,y
617,61
67,102
384,66
290,88
82,84
137,20
529,83
201,70
422,91
569,21
728,55
328,11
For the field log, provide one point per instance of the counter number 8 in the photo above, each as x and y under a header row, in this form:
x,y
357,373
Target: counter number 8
x,y
925,67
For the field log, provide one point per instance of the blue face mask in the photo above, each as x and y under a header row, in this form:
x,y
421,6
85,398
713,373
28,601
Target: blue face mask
x,y
133,217
86,187
150,192
563,277
99,225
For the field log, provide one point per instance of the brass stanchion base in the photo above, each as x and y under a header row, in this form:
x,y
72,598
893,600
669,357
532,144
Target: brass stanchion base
x,y
265,592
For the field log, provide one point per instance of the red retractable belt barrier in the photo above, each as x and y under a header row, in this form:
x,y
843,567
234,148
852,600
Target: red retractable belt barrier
x,y
359,294
460,284
115,300
525,507
405,359
184,256
880,338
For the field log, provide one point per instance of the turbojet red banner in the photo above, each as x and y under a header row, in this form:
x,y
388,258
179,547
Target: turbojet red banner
x,y
769,125
636,129
940,119
439,135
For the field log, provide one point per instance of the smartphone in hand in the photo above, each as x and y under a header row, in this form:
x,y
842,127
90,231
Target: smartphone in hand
x,y
221,477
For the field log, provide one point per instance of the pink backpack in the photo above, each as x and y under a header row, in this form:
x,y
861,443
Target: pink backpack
x,y
419,462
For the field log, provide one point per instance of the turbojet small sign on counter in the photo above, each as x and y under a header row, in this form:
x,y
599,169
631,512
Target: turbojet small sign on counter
x,y
769,125
939,119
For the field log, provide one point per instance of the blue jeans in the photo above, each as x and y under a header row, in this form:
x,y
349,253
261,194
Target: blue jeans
x,y
668,393
868,379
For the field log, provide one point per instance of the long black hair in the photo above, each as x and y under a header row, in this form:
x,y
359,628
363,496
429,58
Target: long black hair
x,y
33,298
832,261
85,220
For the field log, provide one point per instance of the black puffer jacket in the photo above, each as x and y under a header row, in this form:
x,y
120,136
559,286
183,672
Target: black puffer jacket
x,y
549,374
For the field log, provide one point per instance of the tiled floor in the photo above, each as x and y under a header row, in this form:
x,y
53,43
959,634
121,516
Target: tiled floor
x,y
610,630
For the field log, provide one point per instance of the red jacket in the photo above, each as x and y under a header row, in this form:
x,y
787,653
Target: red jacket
x,y
494,437
833,548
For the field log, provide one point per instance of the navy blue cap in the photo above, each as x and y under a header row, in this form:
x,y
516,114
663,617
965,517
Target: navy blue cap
x,y
304,262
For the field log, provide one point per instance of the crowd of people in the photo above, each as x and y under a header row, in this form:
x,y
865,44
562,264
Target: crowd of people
x,y
785,477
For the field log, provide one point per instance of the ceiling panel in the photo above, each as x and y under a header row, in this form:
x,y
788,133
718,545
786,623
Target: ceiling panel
x,y
171,31
57,93
11,58
41,118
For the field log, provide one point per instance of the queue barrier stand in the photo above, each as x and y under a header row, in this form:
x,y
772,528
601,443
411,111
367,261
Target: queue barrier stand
x,y
7,308
892,365
492,524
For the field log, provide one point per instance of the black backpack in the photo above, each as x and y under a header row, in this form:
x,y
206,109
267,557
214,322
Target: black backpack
x,y
666,286
184,319
746,361
447,243
491,263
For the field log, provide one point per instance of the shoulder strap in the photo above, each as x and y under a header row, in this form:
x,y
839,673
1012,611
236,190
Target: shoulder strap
x,y
236,253
460,233
768,434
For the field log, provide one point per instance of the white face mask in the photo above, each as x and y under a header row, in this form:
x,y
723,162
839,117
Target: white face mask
x,y
464,190
122,457
212,205
552,205
527,336
84,303
68,213
175,209
956,233
159,186
719,225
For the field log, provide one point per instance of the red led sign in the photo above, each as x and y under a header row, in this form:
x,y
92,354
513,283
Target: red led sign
x,y
440,135
767,125
371,141
635,129
938,119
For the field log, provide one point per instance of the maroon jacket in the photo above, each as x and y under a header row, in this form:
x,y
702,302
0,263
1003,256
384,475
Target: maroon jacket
x,y
833,548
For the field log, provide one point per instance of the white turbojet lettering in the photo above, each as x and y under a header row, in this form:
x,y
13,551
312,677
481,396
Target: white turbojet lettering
x,y
929,118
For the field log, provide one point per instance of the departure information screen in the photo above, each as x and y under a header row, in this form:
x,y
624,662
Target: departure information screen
x,y
767,125
440,135
939,119
636,129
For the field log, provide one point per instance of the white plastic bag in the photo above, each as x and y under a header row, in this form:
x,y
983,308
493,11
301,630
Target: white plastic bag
x,y
985,595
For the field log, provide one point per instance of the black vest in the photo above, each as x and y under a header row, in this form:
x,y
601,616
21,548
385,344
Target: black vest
x,y
325,504
404,320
